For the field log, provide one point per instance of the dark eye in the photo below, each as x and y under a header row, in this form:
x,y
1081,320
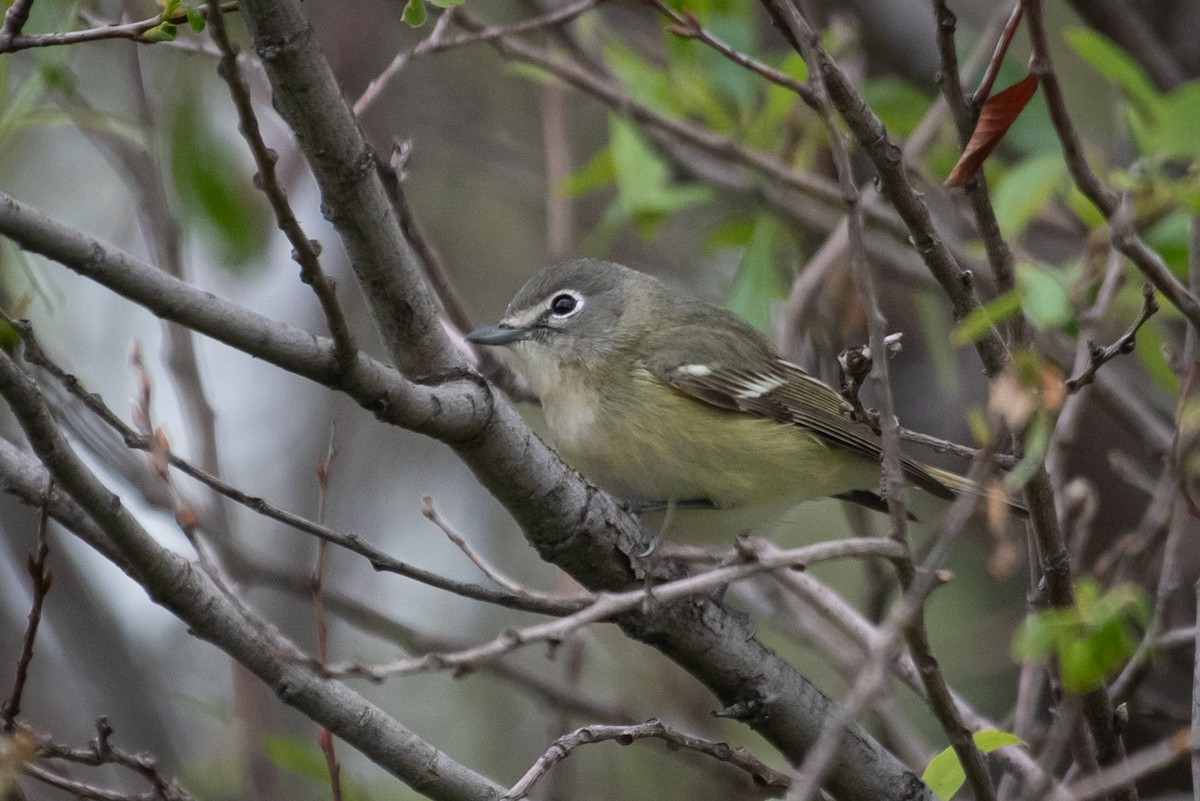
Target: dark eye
x,y
564,304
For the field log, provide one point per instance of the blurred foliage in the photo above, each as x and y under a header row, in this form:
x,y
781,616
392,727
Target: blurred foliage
x,y
212,186
1091,639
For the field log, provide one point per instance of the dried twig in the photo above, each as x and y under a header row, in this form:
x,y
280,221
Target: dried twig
x,y
561,748
42,579
134,31
1125,343
306,252
101,751
515,587
378,559
609,605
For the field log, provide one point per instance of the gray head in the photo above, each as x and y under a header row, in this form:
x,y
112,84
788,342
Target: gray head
x,y
568,314
575,303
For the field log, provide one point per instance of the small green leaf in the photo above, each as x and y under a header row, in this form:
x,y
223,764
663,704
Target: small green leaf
x,y
1090,639
935,331
944,774
900,104
733,234
415,13
644,186
757,282
1037,443
976,324
195,18
1025,190
1044,296
163,32
1112,62
596,174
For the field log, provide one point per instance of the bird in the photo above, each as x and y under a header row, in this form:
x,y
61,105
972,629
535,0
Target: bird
x,y
660,397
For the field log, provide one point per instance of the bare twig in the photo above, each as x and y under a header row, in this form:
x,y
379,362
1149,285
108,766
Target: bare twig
x,y
1115,209
1139,764
984,90
892,483
515,587
1098,355
1000,256
435,272
561,748
42,579
306,252
378,559
14,22
609,605
317,588
134,31
400,61
687,26
101,751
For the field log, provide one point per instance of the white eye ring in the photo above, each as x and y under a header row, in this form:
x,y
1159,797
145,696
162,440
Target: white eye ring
x,y
565,304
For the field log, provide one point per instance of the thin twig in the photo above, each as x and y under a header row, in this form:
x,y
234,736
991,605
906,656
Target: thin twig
x,y
134,31
984,90
378,559
317,588
892,483
562,748
400,61
436,274
1116,209
871,135
609,605
42,579
687,26
1125,343
515,587
14,22
999,254
101,751
306,252
1139,764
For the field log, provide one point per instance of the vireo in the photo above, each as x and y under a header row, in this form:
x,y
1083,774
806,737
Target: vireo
x,y
661,397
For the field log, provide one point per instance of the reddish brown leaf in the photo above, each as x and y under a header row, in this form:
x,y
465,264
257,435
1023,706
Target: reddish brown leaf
x,y
997,114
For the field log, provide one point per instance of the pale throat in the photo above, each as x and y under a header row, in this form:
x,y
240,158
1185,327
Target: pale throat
x,y
570,403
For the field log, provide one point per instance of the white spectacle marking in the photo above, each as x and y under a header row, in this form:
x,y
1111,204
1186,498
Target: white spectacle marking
x,y
759,386
694,370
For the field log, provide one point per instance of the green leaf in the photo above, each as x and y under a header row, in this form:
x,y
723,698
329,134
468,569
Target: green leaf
x,y
1114,64
944,775
1171,133
733,234
447,3
163,32
935,332
1026,189
900,104
214,191
976,324
645,192
1090,639
1037,443
195,18
414,13
596,174
1044,295
757,282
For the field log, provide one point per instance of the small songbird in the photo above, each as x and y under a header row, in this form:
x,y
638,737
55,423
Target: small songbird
x,y
660,397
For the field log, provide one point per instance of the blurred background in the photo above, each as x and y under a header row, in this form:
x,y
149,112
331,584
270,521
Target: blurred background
x,y
507,169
